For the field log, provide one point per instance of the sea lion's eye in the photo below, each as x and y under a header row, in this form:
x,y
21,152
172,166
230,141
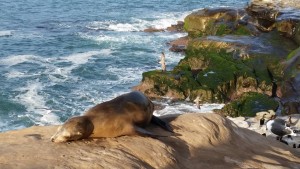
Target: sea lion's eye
x,y
295,131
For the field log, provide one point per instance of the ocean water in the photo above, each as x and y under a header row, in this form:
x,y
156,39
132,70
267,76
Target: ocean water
x,y
59,58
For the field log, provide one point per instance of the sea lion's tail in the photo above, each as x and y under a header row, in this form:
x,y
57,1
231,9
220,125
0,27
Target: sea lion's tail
x,y
161,123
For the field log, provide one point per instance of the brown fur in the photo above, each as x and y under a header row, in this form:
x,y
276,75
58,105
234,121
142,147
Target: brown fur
x,y
113,118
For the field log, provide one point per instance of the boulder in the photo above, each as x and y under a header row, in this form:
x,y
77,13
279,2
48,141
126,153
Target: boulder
x,y
216,21
279,15
176,27
151,30
205,141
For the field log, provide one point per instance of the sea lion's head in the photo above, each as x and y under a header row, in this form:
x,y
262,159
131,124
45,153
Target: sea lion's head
x,y
75,128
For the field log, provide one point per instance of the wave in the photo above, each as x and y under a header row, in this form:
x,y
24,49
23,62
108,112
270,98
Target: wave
x,y
6,33
17,59
76,59
126,75
30,96
161,21
82,58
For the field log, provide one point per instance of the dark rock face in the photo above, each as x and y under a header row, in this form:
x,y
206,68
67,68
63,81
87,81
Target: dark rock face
x,y
231,52
291,85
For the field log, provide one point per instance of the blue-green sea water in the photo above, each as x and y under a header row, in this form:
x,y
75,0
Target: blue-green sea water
x,y
59,58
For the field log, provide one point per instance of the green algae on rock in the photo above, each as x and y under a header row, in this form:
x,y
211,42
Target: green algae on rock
x,y
223,60
249,104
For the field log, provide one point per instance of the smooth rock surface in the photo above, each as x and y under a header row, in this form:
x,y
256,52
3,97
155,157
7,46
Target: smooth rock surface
x,y
206,141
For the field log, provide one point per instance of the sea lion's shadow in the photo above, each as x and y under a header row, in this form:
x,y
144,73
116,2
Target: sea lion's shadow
x,y
171,139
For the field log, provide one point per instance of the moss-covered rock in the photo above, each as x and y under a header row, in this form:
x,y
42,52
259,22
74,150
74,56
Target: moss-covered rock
x,y
249,104
218,21
160,83
223,62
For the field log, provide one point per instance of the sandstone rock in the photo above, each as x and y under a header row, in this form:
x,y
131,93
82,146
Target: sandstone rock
x,y
206,141
151,30
177,27
265,114
179,45
277,3
280,15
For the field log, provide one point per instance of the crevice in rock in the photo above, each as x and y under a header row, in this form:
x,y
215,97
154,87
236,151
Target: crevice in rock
x,y
274,84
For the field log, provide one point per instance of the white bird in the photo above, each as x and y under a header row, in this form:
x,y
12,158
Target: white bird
x,y
279,127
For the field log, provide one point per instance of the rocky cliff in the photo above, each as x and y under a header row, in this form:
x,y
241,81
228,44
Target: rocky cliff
x,y
204,141
230,53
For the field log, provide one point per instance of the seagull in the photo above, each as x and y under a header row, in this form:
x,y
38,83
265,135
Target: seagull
x,y
280,128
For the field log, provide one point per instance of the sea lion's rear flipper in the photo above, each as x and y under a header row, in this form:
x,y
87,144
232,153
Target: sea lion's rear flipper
x,y
144,132
161,123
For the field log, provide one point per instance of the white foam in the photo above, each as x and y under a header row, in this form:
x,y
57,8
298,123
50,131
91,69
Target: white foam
x,y
76,59
162,21
120,27
17,59
15,74
136,24
81,58
126,75
101,38
100,25
185,107
6,33
30,96
35,104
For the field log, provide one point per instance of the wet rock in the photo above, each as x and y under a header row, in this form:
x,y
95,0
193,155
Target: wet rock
x,y
151,30
173,28
176,27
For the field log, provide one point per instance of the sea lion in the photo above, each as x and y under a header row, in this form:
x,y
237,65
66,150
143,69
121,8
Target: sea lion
x,y
126,114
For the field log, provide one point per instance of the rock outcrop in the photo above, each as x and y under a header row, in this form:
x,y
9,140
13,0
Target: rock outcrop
x,y
205,141
229,52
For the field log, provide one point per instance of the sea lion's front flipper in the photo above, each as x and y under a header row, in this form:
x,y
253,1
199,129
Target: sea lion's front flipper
x,y
161,123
